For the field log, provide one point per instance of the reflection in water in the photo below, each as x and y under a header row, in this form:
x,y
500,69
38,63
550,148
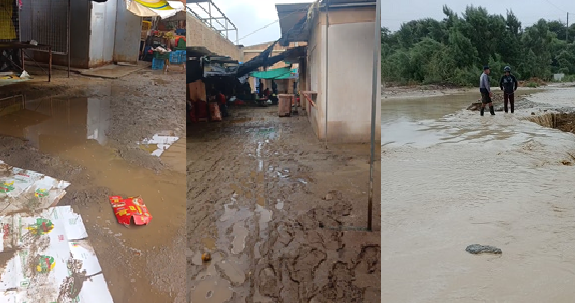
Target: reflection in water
x,y
98,119
457,179
55,123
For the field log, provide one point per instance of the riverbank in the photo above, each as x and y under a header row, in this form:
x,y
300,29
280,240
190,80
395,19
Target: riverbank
x,y
419,91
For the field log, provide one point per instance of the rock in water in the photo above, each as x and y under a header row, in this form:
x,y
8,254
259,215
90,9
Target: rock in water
x,y
482,249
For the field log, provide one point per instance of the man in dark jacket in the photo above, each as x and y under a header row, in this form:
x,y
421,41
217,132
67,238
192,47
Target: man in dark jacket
x,y
508,85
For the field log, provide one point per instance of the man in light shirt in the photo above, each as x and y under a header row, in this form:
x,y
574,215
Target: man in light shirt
x,y
485,90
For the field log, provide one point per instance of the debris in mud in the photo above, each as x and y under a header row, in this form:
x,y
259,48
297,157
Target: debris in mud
x,y
566,163
26,190
477,249
159,143
44,261
131,209
206,257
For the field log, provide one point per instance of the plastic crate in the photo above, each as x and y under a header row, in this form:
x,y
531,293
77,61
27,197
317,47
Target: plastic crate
x,y
157,64
146,25
174,57
178,57
163,56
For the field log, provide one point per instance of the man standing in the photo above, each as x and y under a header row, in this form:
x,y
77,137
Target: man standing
x,y
485,90
508,85
261,89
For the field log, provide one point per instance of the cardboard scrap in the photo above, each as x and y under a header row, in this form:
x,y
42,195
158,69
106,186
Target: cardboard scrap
x,y
48,259
162,141
131,208
22,189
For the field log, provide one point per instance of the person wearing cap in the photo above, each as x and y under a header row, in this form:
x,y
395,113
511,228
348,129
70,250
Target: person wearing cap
x,y
485,90
508,85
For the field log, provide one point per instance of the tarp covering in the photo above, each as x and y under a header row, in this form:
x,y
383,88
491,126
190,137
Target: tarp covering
x,y
276,74
155,8
263,59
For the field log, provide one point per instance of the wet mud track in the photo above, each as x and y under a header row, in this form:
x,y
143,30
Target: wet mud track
x,y
281,215
86,131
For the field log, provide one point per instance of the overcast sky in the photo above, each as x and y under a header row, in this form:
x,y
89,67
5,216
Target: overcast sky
x,y
249,16
394,13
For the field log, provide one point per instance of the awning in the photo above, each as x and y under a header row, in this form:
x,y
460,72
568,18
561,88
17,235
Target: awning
x,y
276,74
155,8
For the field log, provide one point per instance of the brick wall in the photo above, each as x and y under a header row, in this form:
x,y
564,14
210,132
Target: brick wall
x,y
198,34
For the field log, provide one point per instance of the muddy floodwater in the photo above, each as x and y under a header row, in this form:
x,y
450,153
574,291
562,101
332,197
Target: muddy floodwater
x,y
452,178
283,217
89,132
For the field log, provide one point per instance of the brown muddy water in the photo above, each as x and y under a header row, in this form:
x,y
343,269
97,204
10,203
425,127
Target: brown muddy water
x,y
452,178
67,137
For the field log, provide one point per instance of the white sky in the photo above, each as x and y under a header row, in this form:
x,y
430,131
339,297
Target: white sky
x,y
394,13
249,16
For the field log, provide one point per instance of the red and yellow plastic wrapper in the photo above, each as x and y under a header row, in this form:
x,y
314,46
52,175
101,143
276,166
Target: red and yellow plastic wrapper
x,y
131,208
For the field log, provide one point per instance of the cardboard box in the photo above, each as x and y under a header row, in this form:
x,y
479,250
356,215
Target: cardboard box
x,y
130,209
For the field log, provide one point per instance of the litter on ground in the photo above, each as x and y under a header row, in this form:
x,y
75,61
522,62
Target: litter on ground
x,y
130,209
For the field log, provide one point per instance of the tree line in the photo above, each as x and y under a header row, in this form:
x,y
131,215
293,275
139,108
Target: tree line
x,y
453,50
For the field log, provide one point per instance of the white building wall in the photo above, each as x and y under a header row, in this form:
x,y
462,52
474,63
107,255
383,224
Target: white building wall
x,y
349,84
102,34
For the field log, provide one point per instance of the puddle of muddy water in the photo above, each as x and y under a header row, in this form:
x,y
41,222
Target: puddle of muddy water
x,y
75,130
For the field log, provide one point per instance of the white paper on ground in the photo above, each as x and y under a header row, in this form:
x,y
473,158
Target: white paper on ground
x,y
22,279
21,189
162,141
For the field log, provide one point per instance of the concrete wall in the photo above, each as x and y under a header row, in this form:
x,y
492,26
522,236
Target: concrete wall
x,y
198,34
349,87
128,31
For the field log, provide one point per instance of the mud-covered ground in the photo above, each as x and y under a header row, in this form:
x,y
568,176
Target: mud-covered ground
x,y
141,264
283,217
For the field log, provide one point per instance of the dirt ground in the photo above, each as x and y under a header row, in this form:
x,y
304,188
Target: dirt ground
x,y
141,264
283,217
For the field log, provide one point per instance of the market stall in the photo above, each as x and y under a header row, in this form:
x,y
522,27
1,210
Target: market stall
x,y
163,38
212,86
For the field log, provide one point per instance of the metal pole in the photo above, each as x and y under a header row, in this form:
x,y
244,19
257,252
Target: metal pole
x,y
227,36
68,30
237,37
210,12
567,30
326,65
374,98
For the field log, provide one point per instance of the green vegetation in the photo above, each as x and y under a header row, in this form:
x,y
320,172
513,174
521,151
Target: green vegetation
x,y
452,51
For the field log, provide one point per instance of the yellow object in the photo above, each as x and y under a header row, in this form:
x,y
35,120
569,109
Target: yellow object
x,y
146,25
7,30
155,4
122,212
206,257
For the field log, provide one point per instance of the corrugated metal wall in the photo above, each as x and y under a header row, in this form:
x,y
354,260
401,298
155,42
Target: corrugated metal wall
x,y
46,21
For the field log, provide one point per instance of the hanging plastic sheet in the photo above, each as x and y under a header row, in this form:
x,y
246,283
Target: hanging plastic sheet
x,y
154,8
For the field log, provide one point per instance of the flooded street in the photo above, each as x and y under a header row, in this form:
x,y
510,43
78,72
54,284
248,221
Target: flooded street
x,y
283,217
91,132
452,178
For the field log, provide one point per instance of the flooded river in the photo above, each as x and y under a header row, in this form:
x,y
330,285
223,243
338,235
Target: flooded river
x,y
452,178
